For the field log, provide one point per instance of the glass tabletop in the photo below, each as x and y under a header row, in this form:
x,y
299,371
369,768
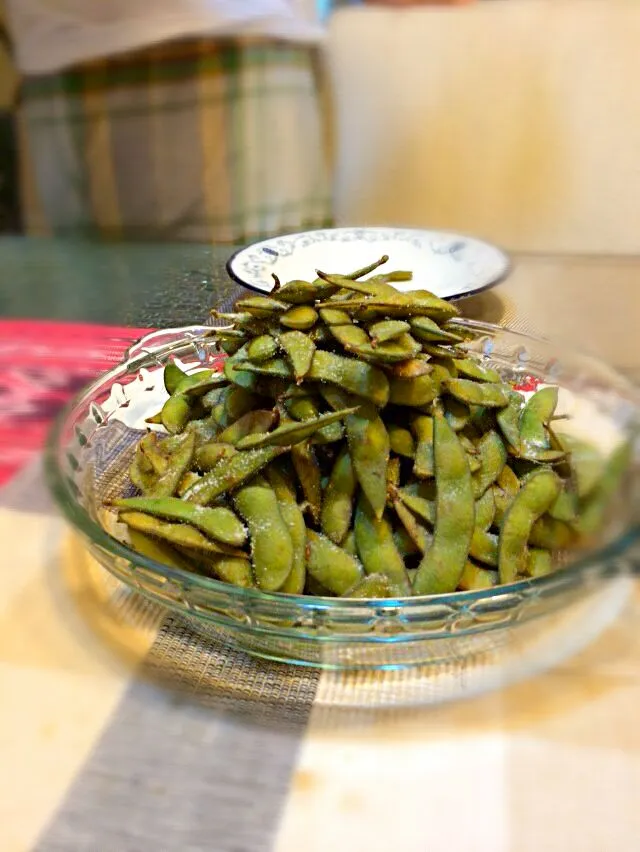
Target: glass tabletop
x,y
116,284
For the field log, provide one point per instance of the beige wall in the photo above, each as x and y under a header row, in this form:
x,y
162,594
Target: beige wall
x,y
7,75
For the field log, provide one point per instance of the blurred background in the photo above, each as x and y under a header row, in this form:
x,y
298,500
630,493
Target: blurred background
x,y
9,200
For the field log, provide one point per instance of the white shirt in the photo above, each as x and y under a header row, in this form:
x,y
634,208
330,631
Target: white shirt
x,y
52,34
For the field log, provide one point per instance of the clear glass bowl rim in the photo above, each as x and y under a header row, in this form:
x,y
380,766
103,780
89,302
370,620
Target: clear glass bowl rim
x,y
79,518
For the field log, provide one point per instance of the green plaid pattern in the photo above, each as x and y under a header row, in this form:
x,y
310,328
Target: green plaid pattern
x,y
202,140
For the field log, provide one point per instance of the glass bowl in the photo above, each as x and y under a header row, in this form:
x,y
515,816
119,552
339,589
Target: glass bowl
x,y
529,623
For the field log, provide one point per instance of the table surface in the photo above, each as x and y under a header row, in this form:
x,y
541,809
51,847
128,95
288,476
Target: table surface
x,y
94,756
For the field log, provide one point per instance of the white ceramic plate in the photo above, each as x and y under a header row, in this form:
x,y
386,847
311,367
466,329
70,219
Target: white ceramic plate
x,y
449,265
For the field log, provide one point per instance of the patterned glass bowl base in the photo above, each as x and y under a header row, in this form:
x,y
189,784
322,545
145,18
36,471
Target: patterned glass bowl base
x,y
91,447
455,668
127,621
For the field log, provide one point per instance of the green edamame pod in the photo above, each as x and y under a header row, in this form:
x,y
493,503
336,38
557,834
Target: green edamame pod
x,y
320,335
175,413
442,566
551,534
302,407
216,522
197,385
566,506
484,547
294,519
231,345
593,510
537,412
314,588
393,475
369,449
330,565
298,292
337,505
540,563
240,377
181,534
349,544
457,413
421,538
440,373
299,349
271,545
385,330
239,401
156,549
235,470
426,489
141,473
587,463
343,328
493,457
274,367
427,330
508,419
424,509
475,579
196,380
262,348
154,419
422,427
172,376
252,423
405,545
485,510
376,547
436,350
411,368
403,305
306,408
189,479
178,462
292,432
475,464
401,441
261,306
414,392
205,430
154,453
208,455
393,351
537,494
301,318
469,368
354,376
372,586
375,286
233,569
307,470
487,394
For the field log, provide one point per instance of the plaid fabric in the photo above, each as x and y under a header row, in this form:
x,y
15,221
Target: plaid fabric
x,y
200,140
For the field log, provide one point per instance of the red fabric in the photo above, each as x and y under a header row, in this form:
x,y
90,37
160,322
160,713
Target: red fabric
x,y
42,365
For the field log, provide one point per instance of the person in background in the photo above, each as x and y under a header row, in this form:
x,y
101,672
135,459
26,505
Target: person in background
x,y
179,120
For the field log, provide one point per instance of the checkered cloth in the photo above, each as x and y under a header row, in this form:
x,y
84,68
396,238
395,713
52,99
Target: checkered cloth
x,y
198,140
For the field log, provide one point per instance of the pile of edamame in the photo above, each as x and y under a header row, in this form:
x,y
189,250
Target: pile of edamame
x,y
352,446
